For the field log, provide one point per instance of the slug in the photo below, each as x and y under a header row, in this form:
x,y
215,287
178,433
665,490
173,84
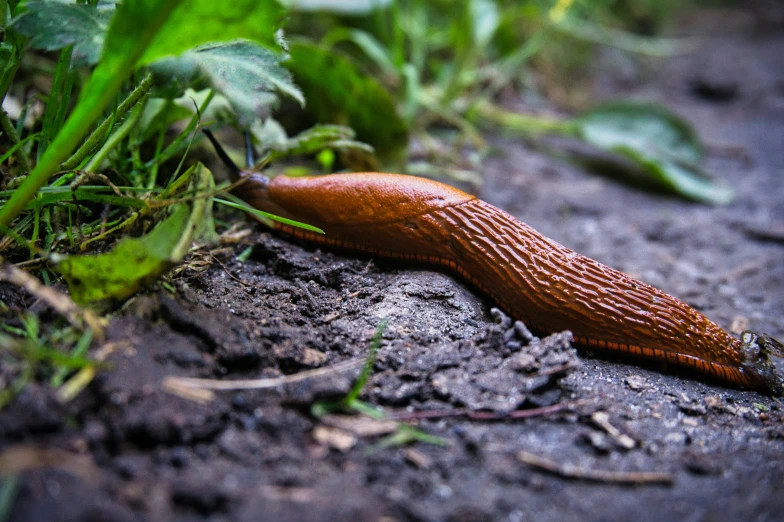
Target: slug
x,y
535,279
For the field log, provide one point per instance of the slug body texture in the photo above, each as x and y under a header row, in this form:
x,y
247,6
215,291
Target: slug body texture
x,y
531,277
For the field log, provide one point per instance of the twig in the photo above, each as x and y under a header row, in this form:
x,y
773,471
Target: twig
x,y
100,133
595,475
602,420
63,304
771,233
258,384
235,278
85,176
485,416
743,270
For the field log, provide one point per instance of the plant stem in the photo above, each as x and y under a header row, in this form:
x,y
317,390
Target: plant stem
x,y
179,142
367,369
56,98
9,129
98,134
116,137
524,123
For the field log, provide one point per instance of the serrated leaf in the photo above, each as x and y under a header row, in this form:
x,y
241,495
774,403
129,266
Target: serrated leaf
x,y
248,75
130,32
658,142
197,22
337,92
54,25
136,262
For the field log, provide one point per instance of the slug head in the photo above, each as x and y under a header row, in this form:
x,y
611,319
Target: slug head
x,y
757,351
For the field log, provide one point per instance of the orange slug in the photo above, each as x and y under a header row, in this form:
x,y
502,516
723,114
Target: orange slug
x,y
531,277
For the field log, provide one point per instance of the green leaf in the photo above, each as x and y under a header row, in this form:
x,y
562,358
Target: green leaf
x,y
6,52
317,138
337,92
484,20
196,22
201,221
661,144
247,74
130,33
54,25
641,126
141,32
262,216
349,7
133,263
368,44
678,178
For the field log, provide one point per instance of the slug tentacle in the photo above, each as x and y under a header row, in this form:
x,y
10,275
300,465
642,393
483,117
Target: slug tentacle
x,y
535,279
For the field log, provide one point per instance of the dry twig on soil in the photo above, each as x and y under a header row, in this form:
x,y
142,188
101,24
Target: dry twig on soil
x,y
63,304
595,475
486,416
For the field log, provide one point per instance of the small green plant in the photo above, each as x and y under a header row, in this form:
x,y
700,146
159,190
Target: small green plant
x,y
30,352
84,161
404,434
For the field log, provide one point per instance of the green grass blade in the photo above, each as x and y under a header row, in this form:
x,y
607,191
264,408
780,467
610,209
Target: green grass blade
x,y
241,205
132,29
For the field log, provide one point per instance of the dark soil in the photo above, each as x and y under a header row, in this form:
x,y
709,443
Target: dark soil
x,y
145,453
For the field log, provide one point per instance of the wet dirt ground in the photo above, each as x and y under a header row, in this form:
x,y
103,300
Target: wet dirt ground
x,y
129,448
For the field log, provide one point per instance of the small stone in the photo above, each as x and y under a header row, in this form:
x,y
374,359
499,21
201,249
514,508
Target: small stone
x,y
418,459
599,441
95,432
523,362
739,324
714,402
513,346
676,438
501,318
312,358
334,438
635,382
523,333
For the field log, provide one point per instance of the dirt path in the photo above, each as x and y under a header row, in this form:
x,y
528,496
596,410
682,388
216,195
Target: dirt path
x,y
260,455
